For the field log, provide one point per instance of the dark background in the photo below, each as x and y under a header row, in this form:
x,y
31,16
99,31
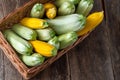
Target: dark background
x,y
96,58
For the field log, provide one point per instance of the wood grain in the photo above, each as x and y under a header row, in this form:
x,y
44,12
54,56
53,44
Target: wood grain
x,y
57,71
1,10
1,66
113,24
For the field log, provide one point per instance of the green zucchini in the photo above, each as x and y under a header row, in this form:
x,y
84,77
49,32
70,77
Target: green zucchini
x,y
66,8
55,42
18,43
33,60
68,23
45,34
67,39
58,3
24,32
37,11
84,7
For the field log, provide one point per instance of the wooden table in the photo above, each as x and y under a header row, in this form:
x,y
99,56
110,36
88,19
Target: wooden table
x,y
96,58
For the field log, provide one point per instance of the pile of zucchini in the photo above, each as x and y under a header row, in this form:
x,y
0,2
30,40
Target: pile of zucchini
x,y
49,28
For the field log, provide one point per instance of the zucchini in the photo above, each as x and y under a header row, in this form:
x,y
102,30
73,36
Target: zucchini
x,y
33,60
58,3
68,23
44,48
84,7
18,43
67,39
34,23
66,8
24,32
55,42
37,11
45,34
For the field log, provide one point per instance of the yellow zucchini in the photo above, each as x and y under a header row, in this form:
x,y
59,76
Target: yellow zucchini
x,y
34,23
44,48
93,20
50,10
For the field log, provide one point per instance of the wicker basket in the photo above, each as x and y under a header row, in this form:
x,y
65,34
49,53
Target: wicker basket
x,y
15,17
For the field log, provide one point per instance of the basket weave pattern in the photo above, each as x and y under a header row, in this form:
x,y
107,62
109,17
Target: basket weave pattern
x,y
15,17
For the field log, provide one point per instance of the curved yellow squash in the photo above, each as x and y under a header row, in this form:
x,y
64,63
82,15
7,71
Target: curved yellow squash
x,y
93,20
51,10
44,48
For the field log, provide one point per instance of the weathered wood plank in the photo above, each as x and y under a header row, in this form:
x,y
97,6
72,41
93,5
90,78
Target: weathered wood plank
x,y
10,72
57,71
90,60
1,66
1,10
113,23
22,2
8,6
